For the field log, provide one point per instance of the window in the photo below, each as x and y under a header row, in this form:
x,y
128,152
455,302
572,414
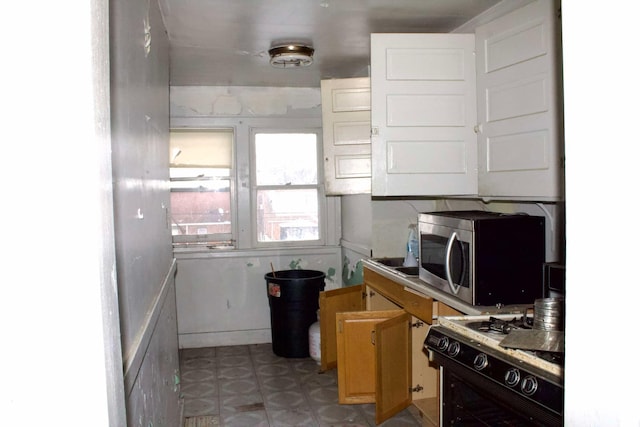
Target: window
x,y
287,197
245,187
201,187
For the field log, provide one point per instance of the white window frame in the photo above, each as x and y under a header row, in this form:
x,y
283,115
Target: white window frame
x,y
319,186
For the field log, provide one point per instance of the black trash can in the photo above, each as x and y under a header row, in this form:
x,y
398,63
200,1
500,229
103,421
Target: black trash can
x,y
293,300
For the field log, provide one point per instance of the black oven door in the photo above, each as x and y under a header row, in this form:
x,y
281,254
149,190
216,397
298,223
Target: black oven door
x,y
468,399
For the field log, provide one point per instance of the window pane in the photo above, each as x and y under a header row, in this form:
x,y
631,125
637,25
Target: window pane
x,y
286,159
201,212
287,215
200,173
200,148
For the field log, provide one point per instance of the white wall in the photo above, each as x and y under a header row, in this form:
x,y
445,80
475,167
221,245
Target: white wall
x,y
144,259
602,89
391,220
222,298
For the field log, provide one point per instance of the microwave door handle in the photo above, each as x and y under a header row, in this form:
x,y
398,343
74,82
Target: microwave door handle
x,y
447,261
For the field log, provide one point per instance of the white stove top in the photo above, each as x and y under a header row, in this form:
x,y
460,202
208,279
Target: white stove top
x,y
459,324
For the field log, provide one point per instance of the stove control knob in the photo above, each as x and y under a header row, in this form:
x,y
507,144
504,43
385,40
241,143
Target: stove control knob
x,y
443,343
529,385
480,361
454,349
512,377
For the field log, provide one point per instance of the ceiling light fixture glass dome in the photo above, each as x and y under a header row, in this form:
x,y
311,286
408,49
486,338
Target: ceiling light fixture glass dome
x,y
291,56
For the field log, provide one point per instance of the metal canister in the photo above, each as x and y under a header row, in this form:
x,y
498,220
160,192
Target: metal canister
x,y
548,314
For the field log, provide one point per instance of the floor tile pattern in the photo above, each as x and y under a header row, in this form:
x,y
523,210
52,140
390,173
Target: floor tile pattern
x,y
249,386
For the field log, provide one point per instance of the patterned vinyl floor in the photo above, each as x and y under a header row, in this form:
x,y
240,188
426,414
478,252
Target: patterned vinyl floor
x,y
249,386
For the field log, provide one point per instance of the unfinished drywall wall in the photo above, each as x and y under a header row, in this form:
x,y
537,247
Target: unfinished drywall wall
x,y
242,101
140,153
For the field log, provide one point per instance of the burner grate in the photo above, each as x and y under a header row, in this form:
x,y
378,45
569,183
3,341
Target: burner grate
x,y
500,326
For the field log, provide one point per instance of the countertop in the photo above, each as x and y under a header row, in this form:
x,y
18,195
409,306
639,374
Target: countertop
x,y
420,286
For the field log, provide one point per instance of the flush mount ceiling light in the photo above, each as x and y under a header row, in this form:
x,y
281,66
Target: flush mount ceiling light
x,y
291,56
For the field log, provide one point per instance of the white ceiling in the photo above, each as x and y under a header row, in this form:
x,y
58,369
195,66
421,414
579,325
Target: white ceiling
x,y
225,42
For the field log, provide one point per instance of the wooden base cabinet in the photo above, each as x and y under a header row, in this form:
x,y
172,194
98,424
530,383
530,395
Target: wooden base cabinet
x,y
374,360
374,334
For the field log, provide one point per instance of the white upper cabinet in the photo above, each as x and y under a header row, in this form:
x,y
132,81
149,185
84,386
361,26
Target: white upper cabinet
x,y
423,113
346,128
519,105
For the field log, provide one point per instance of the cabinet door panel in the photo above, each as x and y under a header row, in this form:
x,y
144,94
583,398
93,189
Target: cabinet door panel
x,y
352,133
393,366
425,63
332,302
416,157
356,335
519,105
525,151
423,114
346,130
435,110
351,99
518,44
352,166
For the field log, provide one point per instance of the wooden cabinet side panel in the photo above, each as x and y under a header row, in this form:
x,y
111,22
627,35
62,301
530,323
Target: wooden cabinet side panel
x,y
442,309
393,366
332,302
425,373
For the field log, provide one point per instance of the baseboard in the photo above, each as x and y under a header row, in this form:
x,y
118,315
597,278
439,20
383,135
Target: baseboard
x,y
218,339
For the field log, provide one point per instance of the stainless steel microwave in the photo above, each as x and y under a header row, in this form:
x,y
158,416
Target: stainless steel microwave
x,y
483,258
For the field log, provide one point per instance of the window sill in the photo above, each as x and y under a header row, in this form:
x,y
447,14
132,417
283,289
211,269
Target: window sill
x,y
204,252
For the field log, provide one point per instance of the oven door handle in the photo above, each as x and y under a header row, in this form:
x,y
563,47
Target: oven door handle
x,y
455,288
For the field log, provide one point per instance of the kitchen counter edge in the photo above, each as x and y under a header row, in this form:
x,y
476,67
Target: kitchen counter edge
x,y
420,286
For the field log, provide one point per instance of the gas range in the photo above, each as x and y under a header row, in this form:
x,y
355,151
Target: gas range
x,y
468,350
492,331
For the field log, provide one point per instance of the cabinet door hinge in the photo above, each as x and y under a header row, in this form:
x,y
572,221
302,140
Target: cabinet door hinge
x,y
370,294
416,389
418,324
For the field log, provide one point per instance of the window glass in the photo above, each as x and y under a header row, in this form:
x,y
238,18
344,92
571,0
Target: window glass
x,y
287,215
201,198
286,159
287,193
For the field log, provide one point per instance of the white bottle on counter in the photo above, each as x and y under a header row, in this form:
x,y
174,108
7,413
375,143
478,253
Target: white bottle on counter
x,y
411,259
